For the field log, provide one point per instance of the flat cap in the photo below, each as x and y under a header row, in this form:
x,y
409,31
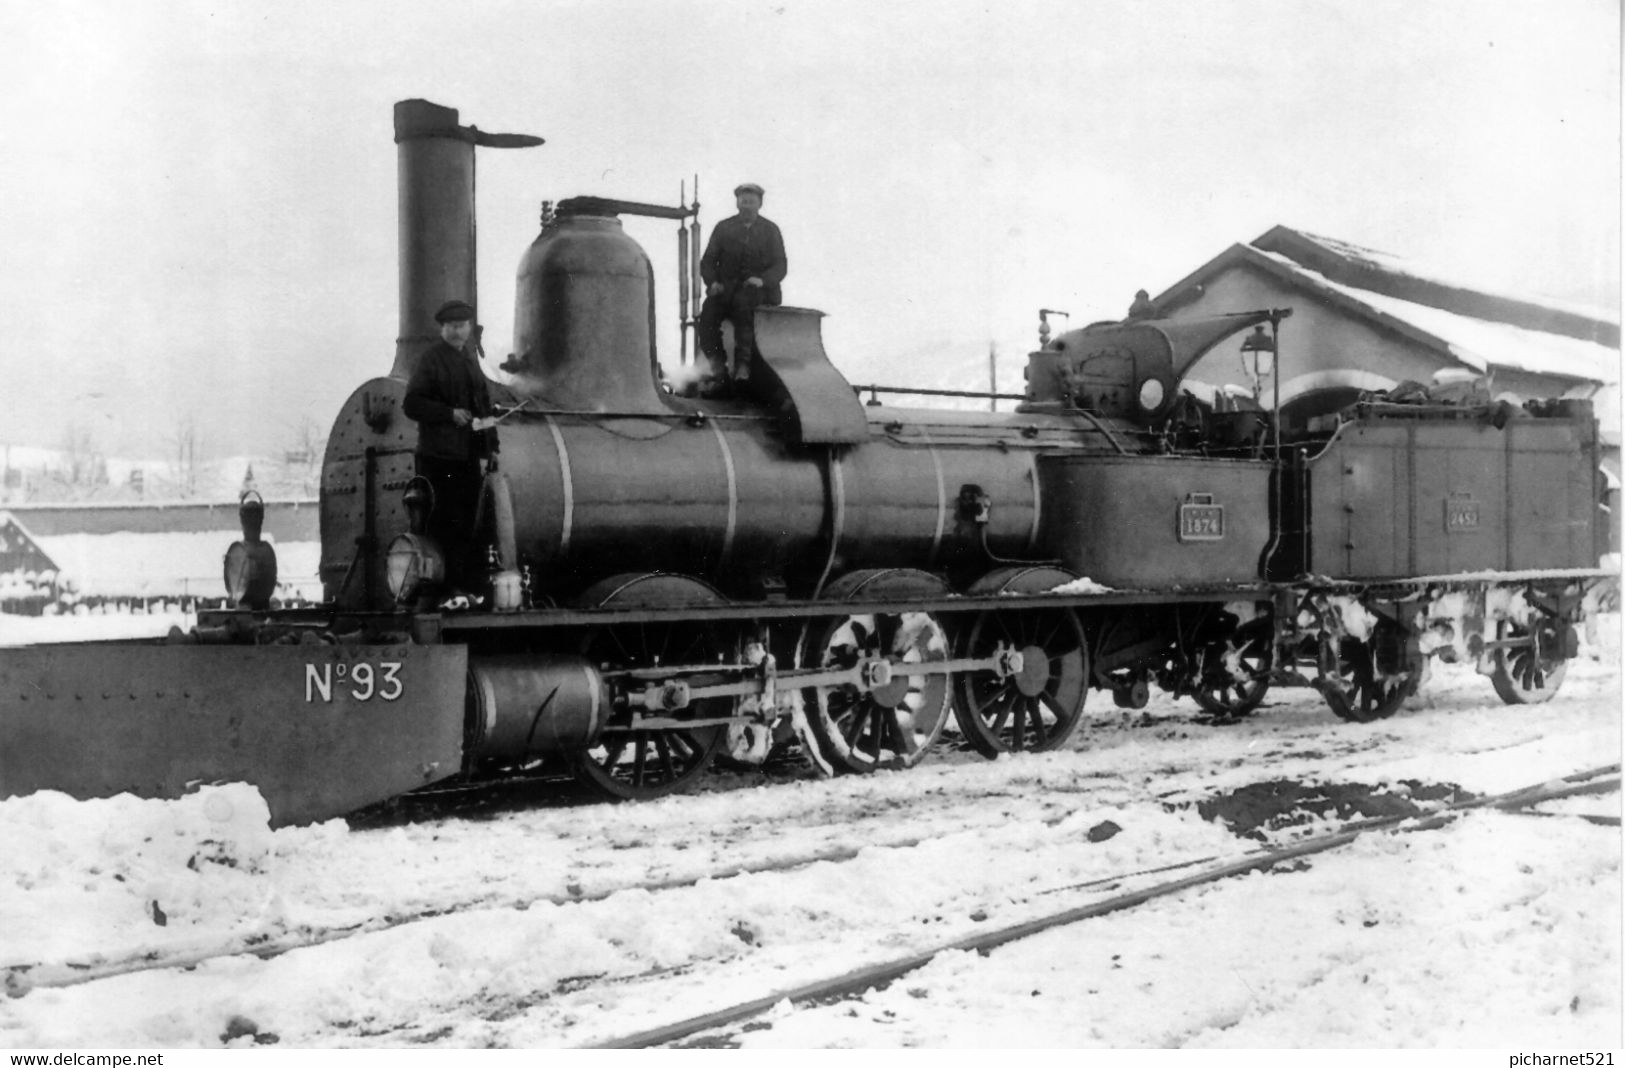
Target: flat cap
x,y
748,187
454,311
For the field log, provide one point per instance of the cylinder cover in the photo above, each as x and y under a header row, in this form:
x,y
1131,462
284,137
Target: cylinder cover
x,y
523,705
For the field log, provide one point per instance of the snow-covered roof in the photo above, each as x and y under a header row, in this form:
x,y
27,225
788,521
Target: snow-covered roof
x,y
1481,344
1388,265
1472,326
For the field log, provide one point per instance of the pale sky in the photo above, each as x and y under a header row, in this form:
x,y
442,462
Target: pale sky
x,y
198,200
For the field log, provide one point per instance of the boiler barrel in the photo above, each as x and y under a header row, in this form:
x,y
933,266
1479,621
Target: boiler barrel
x,y
734,501
595,497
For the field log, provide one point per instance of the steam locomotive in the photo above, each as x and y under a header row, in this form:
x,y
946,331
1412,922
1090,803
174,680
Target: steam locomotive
x,y
673,580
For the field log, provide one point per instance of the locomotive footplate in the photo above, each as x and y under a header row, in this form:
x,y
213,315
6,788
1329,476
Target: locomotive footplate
x,y
462,625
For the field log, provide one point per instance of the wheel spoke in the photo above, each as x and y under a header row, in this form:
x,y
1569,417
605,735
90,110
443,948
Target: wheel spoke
x,y
902,736
999,704
876,730
1056,676
665,756
1054,707
885,635
851,723
1047,643
1001,621
639,754
1035,722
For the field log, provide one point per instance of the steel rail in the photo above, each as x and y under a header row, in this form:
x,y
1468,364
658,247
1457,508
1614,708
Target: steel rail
x,y
1586,817
862,979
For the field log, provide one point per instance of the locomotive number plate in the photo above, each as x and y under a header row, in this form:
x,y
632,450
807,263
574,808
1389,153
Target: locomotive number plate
x,y
1460,514
361,682
1201,522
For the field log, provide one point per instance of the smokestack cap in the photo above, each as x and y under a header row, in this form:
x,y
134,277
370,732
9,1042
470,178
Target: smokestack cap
x,y
454,311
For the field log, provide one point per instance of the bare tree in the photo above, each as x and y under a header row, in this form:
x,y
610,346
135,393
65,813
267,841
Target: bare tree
x,y
308,443
304,457
187,441
81,456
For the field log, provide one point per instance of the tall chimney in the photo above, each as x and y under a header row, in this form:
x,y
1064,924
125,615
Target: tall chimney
x,y
435,177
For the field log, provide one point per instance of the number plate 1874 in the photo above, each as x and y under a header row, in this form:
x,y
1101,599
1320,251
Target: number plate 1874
x,y
1201,522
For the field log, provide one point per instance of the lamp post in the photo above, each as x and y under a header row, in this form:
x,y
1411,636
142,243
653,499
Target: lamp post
x,y
1258,358
1257,345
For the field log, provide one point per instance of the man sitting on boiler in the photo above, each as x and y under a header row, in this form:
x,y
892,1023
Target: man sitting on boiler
x,y
743,266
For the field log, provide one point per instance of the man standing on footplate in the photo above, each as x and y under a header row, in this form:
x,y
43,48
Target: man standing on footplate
x,y
450,399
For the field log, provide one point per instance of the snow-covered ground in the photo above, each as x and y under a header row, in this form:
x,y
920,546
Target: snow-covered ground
x,y
529,922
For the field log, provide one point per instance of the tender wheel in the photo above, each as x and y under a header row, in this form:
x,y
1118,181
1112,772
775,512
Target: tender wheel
x,y
1038,707
637,765
1364,681
1237,674
1531,673
892,725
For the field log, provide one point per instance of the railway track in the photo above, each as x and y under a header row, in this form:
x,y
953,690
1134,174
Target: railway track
x,y
593,996
21,978
1122,889
1055,794
856,982
991,807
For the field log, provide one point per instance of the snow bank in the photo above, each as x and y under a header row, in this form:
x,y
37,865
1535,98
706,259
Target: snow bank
x,y
85,878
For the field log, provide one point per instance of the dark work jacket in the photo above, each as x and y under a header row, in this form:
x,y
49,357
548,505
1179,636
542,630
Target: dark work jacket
x,y
446,379
737,252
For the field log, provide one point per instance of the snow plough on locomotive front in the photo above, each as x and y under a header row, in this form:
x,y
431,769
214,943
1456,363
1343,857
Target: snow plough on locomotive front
x,y
673,579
